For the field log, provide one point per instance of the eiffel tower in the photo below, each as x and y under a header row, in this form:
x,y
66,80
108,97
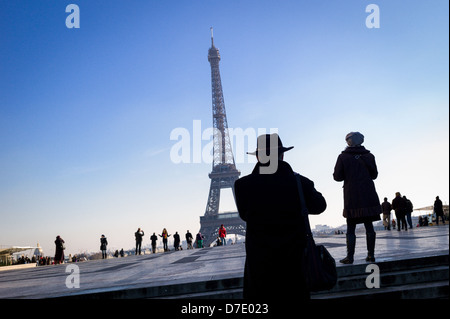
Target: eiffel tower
x,y
224,172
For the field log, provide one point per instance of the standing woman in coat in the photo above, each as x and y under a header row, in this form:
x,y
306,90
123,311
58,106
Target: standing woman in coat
x,y
103,244
59,250
356,167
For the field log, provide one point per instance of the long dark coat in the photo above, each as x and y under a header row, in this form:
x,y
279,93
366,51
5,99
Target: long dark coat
x,y
103,243
357,168
438,208
399,205
59,250
275,234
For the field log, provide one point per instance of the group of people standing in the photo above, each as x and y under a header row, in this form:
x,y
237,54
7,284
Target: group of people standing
x,y
269,198
139,235
403,208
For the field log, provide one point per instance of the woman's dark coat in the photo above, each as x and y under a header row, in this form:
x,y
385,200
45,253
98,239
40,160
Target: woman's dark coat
x,y
59,249
438,209
357,168
275,234
103,243
176,239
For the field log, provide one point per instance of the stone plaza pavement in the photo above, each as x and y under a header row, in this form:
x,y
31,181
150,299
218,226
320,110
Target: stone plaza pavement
x,y
175,273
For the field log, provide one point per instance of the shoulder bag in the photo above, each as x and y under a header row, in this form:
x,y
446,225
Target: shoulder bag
x,y
319,267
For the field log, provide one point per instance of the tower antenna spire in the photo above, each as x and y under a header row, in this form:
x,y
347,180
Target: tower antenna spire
x,y
212,36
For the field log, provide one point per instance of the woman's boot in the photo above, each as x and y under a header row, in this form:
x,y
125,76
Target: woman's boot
x,y
351,242
370,240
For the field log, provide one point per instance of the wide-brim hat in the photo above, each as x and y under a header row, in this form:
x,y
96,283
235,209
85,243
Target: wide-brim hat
x,y
263,144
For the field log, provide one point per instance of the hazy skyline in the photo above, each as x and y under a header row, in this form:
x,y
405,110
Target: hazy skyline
x,y
86,114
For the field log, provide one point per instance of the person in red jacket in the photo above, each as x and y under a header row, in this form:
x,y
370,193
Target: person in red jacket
x,y
222,234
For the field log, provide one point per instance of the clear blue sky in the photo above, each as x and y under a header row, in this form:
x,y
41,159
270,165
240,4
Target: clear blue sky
x,y
86,114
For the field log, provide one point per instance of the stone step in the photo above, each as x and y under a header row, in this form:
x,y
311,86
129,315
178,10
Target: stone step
x,y
433,290
424,290
392,279
422,274
425,276
386,266
209,288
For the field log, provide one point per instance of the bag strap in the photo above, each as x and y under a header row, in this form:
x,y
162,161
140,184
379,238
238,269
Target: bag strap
x,y
303,204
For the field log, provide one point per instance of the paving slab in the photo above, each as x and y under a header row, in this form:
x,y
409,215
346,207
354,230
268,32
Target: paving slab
x,y
393,244
160,272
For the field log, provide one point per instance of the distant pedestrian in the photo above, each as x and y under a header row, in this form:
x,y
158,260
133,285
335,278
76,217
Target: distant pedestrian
x,y
357,168
438,210
164,236
139,234
103,244
399,206
153,239
222,235
59,250
189,239
122,254
176,241
409,210
386,208
199,238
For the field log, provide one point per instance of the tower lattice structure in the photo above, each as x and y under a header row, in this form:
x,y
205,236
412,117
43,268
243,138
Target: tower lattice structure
x,y
224,172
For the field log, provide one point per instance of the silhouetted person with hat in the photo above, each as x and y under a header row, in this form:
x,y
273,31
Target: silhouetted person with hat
x,y
268,200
